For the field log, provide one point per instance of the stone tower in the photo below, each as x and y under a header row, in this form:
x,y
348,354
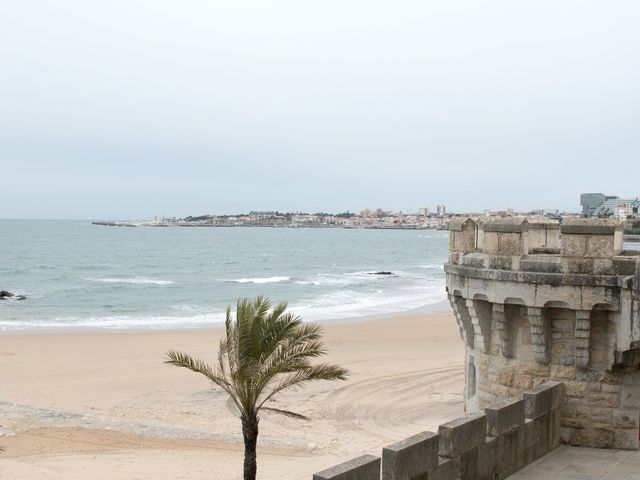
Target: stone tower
x,y
542,300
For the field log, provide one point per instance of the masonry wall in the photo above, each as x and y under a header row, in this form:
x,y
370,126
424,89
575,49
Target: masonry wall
x,y
571,316
489,446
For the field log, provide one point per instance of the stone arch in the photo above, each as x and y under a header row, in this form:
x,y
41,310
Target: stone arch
x,y
556,304
514,301
604,306
480,296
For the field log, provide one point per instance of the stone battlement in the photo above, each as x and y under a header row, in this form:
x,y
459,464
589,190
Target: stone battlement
x,y
547,300
489,446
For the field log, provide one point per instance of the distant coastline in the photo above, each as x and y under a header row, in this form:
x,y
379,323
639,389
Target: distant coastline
x,y
376,219
268,225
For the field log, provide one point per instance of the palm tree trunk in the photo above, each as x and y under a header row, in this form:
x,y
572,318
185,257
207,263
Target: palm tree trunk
x,y
250,435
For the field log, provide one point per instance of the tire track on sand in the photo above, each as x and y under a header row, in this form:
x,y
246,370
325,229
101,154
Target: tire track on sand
x,y
398,405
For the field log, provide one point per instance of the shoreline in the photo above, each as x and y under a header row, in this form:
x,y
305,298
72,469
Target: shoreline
x,y
436,307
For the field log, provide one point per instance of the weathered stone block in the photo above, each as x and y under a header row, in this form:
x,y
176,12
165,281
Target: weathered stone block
x,y
447,469
522,381
508,453
627,418
563,372
487,458
541,425
603,266
505,378
490,243
625,439
469,464
603,438
504,416
602,415
500,262
580,265
542,399
510,244
609,388
624,265
462,434
630,396
411,458
599,246
590,376
365,467
574,422
541,263
576,436
600,399
475,260
575,389
574,245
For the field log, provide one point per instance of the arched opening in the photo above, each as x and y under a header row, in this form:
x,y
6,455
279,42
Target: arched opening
x,y
471,378
485,316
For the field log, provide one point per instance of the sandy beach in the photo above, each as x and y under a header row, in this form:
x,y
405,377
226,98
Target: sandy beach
x,y
103,405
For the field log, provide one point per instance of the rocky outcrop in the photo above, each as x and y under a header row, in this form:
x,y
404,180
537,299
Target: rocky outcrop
x,y
4,295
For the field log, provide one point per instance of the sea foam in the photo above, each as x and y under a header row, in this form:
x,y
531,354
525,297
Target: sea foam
x,y
135,281
260,280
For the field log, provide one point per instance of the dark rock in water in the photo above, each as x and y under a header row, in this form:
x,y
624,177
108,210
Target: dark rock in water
x,y
4,294
381,273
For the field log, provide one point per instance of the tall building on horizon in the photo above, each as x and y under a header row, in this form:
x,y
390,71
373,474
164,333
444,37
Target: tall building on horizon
x,y
590,203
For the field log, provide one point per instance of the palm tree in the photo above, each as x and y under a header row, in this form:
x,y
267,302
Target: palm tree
x,y
264,351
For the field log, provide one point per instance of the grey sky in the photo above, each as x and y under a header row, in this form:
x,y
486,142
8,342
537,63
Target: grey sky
x,y
123,109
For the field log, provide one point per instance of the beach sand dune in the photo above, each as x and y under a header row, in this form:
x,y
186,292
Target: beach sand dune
x,y
103,405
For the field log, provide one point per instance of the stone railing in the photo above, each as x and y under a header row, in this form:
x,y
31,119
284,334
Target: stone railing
x,y
575,246
489,446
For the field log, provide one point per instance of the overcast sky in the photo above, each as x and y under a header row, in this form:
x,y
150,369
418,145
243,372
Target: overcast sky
x,y
129,109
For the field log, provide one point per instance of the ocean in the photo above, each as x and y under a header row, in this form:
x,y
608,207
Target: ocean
x,y
77,275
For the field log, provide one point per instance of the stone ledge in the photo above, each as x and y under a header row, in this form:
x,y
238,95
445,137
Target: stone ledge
x,y
411,457
462,434
505,416
366,467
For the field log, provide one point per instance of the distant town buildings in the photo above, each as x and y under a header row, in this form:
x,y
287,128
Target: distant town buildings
x,y
594,204
600,205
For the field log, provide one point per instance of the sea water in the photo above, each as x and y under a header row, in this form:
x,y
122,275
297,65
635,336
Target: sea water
x,y
78,275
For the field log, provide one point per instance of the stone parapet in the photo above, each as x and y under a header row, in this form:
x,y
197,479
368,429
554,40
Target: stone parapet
x,y
491,446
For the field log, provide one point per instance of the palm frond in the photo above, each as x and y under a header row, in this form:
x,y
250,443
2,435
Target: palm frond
x,y
264,351
183,360
308,374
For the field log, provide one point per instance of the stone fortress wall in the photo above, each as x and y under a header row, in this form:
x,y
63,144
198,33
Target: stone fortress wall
x,y
540,301
489,446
